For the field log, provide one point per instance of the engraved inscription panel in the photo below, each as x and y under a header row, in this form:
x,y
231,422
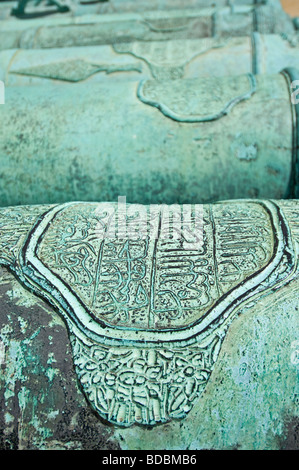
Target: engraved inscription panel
x,y
197,99
154,281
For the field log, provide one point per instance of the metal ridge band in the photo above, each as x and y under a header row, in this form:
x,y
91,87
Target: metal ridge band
x,y
256,53
292,74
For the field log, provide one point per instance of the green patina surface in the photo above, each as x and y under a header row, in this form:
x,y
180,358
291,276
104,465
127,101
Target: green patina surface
x,y
95,29
252,401
99,142
126,343
248,399
41,404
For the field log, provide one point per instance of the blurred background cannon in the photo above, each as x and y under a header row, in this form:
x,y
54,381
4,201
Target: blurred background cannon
x,y
188,140
95,29
173,59
162,102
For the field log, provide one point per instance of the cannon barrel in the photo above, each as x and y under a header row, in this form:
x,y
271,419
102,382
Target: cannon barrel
x,y
81,362
173,59
89,30
177,141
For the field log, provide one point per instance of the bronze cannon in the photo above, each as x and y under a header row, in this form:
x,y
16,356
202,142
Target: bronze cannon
x,y
89,30
161,60
149,227
164,331
168,141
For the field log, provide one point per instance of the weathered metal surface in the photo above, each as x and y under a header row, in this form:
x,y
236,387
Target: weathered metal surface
x,y
77,8
27,8
148,26
41,404
69,65
154,141
291,76
143,5
103,338
159,59
227,294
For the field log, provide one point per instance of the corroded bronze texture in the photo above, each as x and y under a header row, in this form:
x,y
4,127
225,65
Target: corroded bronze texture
x,y
27,8
185,141
118,6
66,31
147,315
174,59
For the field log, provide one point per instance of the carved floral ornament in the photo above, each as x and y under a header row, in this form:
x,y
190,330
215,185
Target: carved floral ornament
x,y
147,315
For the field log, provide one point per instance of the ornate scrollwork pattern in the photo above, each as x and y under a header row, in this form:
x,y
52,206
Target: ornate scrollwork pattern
x,y
147,313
